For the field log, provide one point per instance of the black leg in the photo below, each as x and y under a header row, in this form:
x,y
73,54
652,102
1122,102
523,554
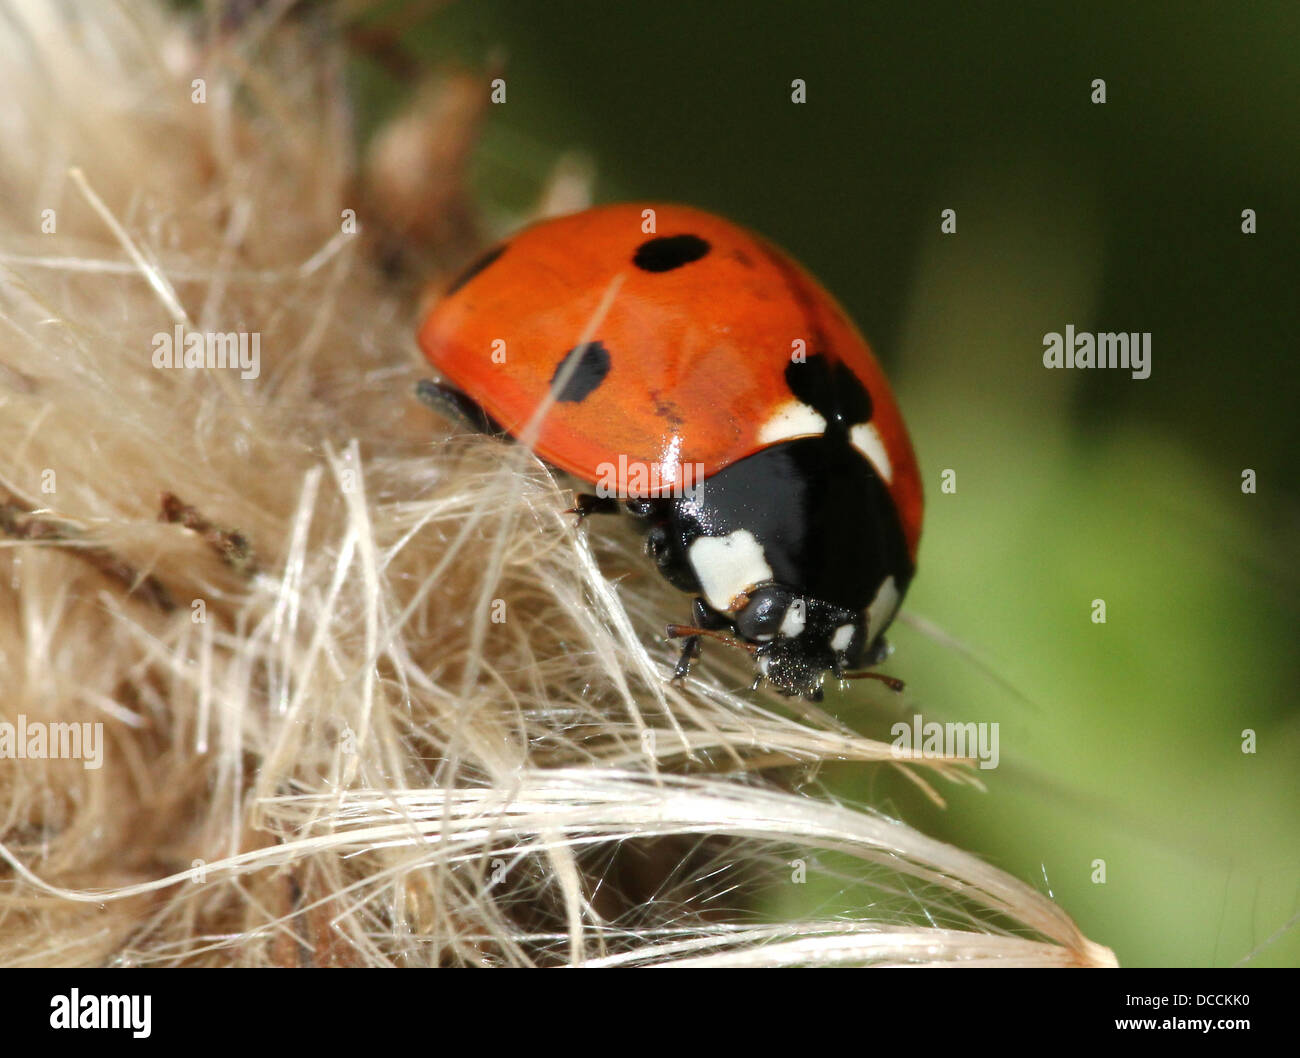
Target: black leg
x,y
702,616
690,651
584,503
452,404
643,508
670,559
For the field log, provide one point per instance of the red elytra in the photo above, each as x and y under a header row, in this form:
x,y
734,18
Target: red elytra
x,y
694,354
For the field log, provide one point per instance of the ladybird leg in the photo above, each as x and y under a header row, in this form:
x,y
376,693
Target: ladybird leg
x,y
584,503
705,618
645,509
452,404
670,559
690,651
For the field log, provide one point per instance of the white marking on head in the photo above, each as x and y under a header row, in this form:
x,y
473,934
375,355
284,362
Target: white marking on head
x,y
882,608
866,439
842,638
728,566
794,418
793,622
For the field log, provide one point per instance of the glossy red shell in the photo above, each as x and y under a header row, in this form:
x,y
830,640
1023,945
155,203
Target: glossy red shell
x,y
697,353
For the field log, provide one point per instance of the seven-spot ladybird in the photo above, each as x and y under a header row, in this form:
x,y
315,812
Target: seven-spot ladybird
x,y
702,381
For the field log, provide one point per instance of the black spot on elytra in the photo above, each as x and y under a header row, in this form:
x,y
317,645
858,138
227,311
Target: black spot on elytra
x,y
587,374
831,388
668,252
476,266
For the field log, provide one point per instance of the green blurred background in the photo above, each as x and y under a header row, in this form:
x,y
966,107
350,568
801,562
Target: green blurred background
x,y
1071,485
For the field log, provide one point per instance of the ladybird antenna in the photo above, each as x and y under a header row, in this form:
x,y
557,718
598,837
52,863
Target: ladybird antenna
x,y
892,682
682,631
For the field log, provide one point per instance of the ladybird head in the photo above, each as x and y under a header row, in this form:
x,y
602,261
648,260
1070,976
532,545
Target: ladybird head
x,y
798,639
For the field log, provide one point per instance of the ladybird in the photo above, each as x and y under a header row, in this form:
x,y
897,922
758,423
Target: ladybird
x,y
704,383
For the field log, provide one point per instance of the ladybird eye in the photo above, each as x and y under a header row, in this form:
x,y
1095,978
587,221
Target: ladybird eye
x,y
762,617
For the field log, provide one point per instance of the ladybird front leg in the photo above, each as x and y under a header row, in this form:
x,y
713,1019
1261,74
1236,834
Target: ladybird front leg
x,y
702,617
690,651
